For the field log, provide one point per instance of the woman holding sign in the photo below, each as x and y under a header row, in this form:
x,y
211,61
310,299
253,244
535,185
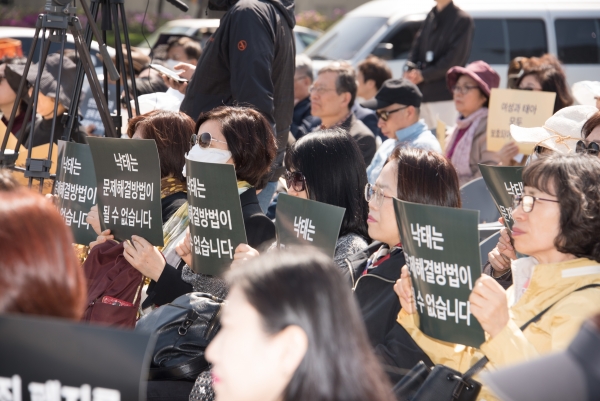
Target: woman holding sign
x,y
557,221
230,135
467,145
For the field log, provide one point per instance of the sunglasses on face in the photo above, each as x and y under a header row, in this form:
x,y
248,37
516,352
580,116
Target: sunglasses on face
x,y
295,180
592,148
527,202
385,114
203,140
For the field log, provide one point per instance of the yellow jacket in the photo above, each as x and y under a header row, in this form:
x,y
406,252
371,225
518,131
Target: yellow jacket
x,y
554,331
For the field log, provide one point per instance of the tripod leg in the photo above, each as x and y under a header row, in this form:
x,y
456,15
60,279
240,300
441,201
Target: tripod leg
x,y
93,79
44,50
129,59
21,90
75,99
120,67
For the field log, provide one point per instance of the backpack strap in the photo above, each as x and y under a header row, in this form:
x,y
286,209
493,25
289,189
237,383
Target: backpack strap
x,y
483,361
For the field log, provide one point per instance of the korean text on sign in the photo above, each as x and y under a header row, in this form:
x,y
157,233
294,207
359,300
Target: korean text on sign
x,y
71,165
440,273
427,235
125,162
52,390
201,217
74,217
442,308
127,216
128,189
303,228
75,192
205,247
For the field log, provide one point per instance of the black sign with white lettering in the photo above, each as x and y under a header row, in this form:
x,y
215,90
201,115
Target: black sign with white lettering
x,y
75,188
57,360
128,180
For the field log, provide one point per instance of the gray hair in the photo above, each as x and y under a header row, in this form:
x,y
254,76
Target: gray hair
x,y
304,65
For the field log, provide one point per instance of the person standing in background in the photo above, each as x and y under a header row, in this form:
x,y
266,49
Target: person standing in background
x,y
248,61
444,41
303,122
371,73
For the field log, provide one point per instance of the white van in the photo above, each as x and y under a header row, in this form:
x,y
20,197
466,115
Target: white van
x,y
504,29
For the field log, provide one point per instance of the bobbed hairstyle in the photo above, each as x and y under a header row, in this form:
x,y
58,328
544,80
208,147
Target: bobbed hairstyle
x,y
39,272
590,124
551,77
306,289
574,179
250,140
171,131
426,177
335,173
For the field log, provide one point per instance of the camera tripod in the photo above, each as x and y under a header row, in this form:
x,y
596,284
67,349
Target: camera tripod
x,y
59,18
111,11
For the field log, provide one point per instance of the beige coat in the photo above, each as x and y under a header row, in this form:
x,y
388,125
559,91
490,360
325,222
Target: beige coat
x,y
479,152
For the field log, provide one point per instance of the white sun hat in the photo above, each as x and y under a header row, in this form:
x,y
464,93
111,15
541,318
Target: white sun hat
x,y
559,133
157,101
586,92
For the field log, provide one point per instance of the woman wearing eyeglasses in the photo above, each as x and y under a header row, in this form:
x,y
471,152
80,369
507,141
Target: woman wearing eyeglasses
x,y
230,135
557,221
413,175
467,145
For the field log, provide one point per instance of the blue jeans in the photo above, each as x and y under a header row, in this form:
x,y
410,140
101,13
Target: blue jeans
x,y
265,196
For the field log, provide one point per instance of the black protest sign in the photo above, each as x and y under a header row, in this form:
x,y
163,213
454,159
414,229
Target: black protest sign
x,y
75,188
306,222
128,180
504,183
54,360
215,213
441,246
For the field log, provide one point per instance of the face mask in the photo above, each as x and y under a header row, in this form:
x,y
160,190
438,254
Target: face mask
x,y
172,63
207,155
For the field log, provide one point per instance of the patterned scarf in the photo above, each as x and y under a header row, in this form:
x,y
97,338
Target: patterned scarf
x,y
462,152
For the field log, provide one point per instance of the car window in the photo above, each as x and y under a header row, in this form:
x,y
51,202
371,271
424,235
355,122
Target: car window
x,y
346,38
497,41
526,37
578,40
488,43
402,39
307,38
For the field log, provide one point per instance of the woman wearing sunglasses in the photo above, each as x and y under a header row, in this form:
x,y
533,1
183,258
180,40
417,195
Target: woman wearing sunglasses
x,y
557,221
467,145
591,134
230,135
327,166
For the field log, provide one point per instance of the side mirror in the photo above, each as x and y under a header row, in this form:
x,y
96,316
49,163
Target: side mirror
x,y
384,51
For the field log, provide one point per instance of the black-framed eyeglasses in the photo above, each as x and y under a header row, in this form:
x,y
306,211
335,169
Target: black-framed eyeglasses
x,y
203,140
374,192
527,202
592,148
295,180
463,90
385,114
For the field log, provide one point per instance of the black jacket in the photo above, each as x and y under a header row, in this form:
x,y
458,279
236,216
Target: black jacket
x,y
42,130
259,230
303,122
448,34
362,135
249,60
380,306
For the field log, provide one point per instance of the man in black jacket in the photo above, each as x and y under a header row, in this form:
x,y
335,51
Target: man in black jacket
x,y
249,60
444,41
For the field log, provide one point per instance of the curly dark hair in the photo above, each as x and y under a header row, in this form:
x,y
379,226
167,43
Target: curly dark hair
x,y
574,179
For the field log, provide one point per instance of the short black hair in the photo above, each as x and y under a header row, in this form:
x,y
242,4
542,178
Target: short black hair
x,y
375,69
335,174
